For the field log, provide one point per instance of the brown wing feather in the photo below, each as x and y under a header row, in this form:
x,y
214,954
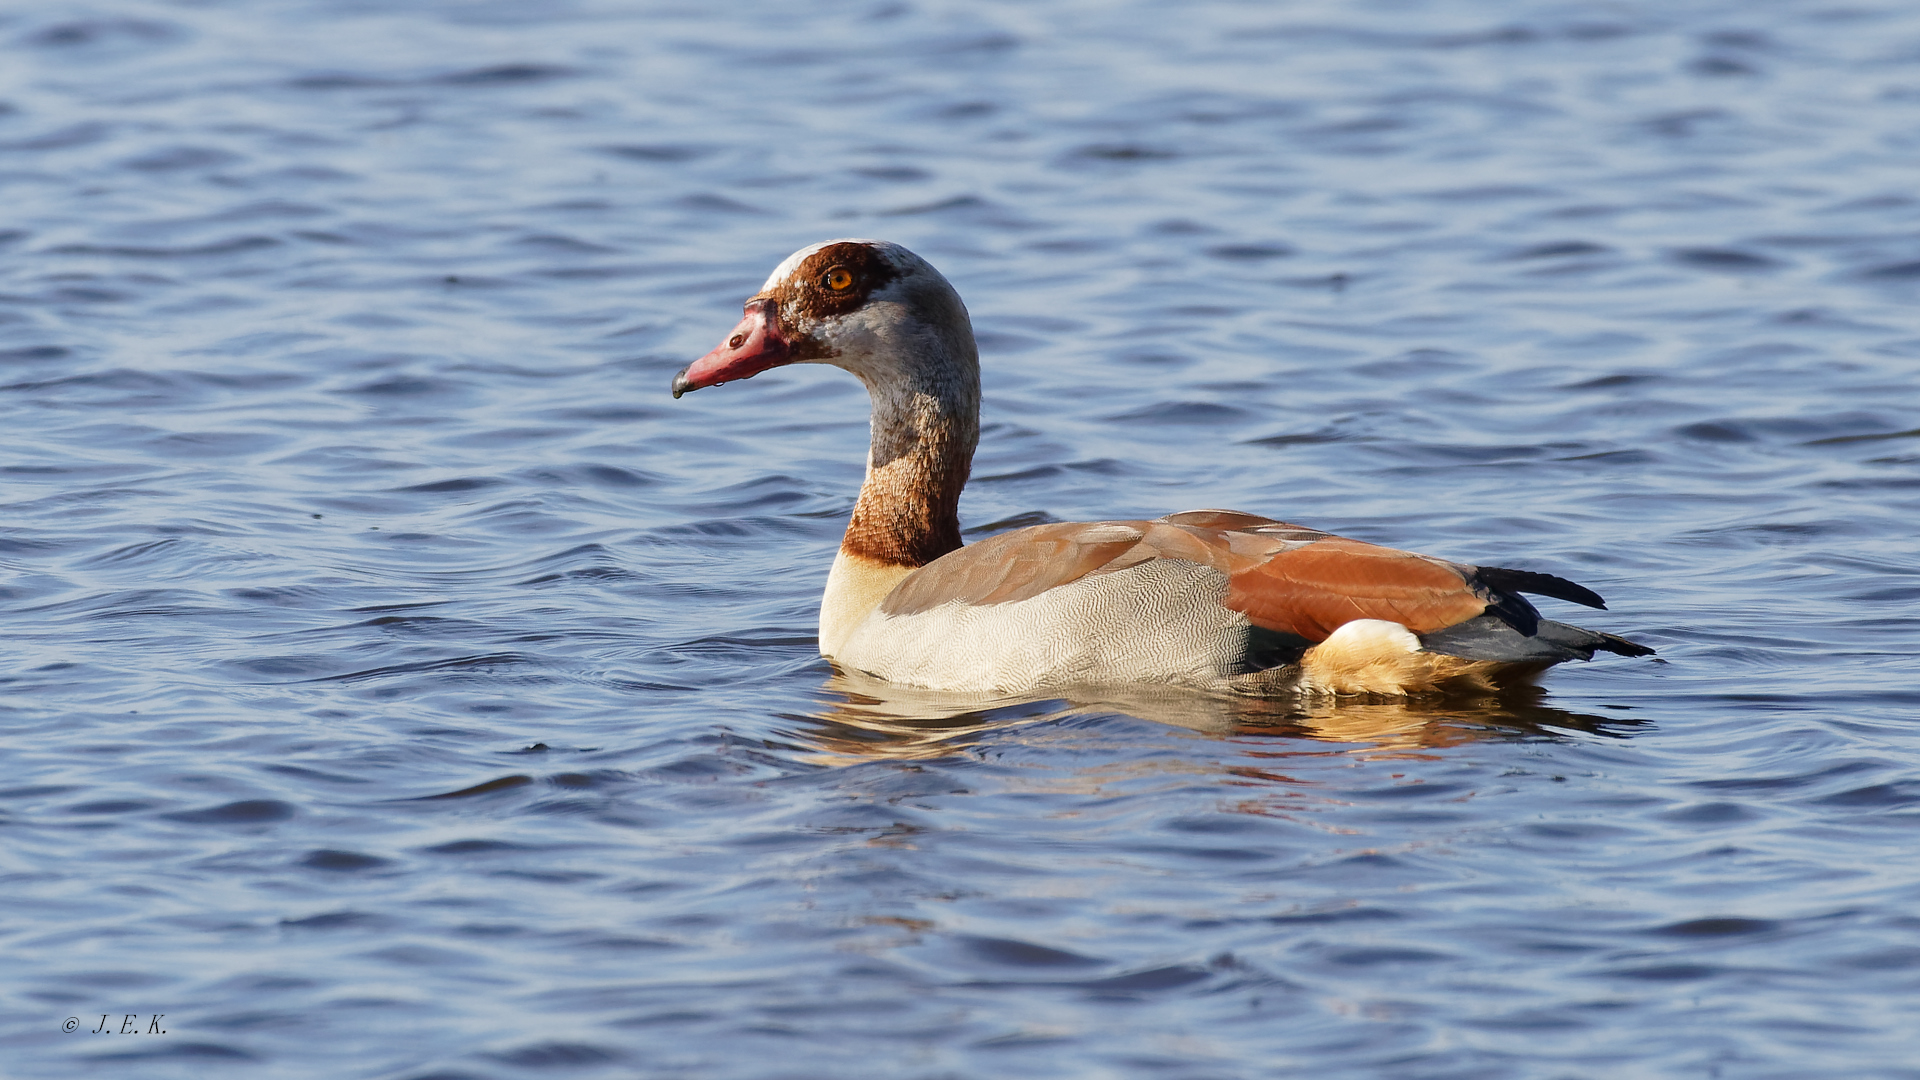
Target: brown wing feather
x,y
1014,566
1312,590
1282,577
1219,519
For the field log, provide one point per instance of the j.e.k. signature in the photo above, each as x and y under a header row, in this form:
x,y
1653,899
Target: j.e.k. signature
x,y
129,1025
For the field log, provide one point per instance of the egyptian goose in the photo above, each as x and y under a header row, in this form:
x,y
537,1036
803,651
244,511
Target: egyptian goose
x,y
1207,598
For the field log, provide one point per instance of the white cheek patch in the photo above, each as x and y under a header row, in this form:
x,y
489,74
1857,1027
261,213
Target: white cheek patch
x,y
863,342
859,331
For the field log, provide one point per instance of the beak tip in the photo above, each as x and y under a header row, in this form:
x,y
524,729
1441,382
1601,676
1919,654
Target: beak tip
x,y
681,385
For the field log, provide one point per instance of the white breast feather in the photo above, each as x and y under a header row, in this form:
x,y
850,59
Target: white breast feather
x,y
1161,621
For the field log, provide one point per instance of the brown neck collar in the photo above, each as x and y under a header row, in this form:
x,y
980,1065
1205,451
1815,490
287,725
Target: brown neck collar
x,y
909,508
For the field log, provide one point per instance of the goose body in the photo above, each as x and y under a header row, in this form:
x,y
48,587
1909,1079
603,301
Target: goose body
x,y
1209,598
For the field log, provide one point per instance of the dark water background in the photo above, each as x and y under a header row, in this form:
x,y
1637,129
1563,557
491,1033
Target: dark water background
x,y
398,684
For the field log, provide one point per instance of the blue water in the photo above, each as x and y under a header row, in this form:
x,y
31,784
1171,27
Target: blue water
x,y
399,684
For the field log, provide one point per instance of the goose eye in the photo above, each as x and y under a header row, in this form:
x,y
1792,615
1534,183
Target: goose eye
x,y
838,279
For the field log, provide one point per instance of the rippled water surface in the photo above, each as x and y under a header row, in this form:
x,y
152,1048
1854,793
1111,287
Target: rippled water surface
x,y
399,684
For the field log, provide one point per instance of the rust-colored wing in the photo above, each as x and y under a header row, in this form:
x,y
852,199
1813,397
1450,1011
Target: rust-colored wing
x,y
1308,583
1313,589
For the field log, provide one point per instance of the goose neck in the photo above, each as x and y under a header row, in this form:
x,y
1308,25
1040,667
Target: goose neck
x,y
923,435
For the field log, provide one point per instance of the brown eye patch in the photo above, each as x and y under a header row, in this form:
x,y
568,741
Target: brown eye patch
x,y
835,280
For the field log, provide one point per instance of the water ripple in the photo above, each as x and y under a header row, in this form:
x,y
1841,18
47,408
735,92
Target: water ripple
x,y
393,660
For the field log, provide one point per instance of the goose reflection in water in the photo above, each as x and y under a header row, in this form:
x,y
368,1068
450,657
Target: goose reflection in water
x,y
867,718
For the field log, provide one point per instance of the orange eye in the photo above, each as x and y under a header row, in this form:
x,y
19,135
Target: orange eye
x,y
838,279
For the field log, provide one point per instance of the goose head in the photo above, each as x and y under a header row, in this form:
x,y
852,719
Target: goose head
x,y
868,306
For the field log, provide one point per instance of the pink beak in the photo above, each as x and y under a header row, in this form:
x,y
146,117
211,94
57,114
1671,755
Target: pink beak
x,y
754,346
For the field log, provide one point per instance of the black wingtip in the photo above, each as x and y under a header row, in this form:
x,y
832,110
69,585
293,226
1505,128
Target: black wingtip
x,y
1502,579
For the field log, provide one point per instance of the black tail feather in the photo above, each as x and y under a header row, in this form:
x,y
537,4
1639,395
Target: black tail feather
x,y
1501,579
1622,646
